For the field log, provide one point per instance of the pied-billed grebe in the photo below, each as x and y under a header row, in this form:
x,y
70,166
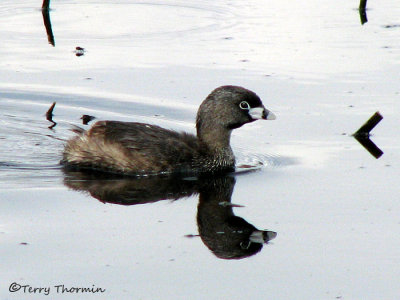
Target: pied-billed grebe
x,y
143,149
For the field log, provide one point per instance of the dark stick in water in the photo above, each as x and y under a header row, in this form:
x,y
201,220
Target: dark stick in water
x,y
86,119
46,4
362,10
49,115
363,4
362,135
47,25
369,125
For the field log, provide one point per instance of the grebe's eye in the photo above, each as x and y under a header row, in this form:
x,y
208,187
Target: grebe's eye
x,y
244,105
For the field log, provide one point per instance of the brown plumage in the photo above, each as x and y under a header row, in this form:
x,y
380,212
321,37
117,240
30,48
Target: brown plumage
x,y
142,149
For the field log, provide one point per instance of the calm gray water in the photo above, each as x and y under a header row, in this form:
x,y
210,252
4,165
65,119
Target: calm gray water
x,y
334,206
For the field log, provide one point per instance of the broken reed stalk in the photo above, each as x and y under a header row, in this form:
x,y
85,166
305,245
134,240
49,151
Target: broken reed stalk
x,y
368,126
46,4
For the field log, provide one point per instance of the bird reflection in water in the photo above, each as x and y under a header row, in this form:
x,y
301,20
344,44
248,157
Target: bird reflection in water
x,y
226,235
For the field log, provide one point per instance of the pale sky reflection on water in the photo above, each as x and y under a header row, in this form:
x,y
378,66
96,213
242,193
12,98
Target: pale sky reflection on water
x,y
334,206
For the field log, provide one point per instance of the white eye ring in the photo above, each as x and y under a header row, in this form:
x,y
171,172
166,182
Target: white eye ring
x,y
244,105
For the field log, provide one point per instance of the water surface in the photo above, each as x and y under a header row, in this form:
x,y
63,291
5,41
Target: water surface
x,y
333,205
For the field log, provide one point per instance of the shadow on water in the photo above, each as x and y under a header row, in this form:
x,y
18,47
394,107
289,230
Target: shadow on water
x,y
226,235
